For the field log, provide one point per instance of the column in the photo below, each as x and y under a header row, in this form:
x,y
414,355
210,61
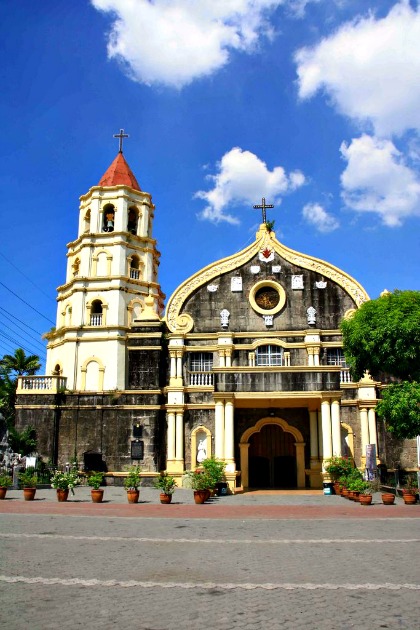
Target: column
x,y
228,358
219,429
179,365
372,429
171,436
179,441
326,429
336,427
364,430
229,436
310,356
222,362
313,430
173,365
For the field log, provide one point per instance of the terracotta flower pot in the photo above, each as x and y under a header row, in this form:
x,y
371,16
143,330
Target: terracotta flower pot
x,y
29,494
3,490
200,496
409,499
62,495
388,498
165,498
365,499
133,496
97,495
344,493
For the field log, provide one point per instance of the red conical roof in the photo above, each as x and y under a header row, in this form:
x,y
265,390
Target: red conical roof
x,y
119,173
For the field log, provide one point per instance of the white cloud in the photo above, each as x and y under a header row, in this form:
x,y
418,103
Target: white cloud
x,y
370,69
173,42
316,215
243,178
377,179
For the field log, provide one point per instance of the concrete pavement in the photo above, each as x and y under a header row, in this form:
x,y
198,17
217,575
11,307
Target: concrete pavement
x,y
121,566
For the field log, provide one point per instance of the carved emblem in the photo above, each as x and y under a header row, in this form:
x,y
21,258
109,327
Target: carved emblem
x,y
268,319
297,282
311,313
321,284
212,288
255,268
266,255
276,268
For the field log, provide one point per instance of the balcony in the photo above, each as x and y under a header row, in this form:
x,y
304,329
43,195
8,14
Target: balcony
x,y
40,384
278,379
96,320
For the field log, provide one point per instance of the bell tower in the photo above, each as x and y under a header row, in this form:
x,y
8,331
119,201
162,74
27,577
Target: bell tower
x,y
111,283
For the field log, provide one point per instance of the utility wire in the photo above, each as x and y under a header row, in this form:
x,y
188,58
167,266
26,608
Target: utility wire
x,y
11,319
30,340
31,307
19,320
25,276
17,344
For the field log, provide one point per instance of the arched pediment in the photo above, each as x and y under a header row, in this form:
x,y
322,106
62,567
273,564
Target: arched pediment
x,y
266,241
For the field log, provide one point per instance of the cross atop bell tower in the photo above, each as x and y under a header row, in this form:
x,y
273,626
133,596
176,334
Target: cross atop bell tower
x,y
121,135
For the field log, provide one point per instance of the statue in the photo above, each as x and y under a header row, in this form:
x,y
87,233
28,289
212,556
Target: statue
x,y
201,451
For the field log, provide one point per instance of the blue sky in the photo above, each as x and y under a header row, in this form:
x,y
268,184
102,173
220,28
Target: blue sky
x,y
313,104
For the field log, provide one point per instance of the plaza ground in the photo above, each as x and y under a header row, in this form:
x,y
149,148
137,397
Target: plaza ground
x,y
258,560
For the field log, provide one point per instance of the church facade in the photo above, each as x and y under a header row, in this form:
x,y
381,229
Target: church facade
x,y
245,364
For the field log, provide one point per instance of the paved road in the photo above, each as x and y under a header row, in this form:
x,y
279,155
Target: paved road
x,y
103,572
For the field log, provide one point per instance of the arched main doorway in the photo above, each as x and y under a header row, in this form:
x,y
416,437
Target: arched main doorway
x,y
272,458
272,455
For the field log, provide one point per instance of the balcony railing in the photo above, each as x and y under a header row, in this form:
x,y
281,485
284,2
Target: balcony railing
x,y
40,384
345,376
134,274
201,378
96,320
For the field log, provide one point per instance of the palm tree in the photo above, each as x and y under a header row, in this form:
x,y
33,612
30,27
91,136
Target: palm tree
x,y
19,363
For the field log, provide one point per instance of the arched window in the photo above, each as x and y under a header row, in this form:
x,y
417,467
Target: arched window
x,y
108,218
269,355
96,313
86,222
76,267
57,370
102,264
92,376
132,220
135,268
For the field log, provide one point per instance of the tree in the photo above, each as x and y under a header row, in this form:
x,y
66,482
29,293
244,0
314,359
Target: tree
x,y
400,407
12,366
23,442
19,364
384,336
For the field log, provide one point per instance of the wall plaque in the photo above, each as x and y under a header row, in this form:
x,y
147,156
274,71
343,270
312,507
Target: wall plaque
x,y
137,449
236,283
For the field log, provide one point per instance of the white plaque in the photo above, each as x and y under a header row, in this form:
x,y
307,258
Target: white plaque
x,y
255,269
212,287
236,283
321,284
268,320
276,268
297,282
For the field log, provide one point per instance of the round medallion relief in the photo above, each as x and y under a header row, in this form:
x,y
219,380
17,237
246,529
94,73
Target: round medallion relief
x,y
267,297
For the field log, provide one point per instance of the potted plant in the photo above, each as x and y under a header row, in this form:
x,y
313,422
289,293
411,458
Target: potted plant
x,y
200,483
166,484
64,482
354,484
338,468
131,484
5,482
215,470
95,480
409,491
28,481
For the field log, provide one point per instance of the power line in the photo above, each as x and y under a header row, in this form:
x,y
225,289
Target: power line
x,y
31,307
31,340
17,344
19,320
25,276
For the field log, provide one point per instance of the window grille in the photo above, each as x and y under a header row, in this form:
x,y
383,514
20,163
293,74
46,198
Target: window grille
x,y
269,355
